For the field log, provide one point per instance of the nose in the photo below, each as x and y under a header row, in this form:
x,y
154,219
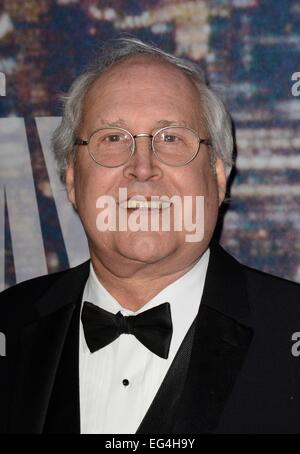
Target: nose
x,y
143,165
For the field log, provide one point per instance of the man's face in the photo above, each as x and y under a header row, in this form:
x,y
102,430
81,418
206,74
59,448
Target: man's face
x,y
141,95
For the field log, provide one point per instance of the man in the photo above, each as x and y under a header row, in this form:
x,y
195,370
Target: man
x,y
157,333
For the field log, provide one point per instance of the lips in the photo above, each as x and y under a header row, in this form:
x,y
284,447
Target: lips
x,y
145,202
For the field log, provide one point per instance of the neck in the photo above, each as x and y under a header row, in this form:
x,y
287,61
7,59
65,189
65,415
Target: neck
x,y
134,292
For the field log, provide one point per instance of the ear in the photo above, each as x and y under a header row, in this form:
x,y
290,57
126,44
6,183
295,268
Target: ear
x,y
221,179
70,183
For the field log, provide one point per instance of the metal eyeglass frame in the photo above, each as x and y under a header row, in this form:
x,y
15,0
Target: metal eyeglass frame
x,y
79,141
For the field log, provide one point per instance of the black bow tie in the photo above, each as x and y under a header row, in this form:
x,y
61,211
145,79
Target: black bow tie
x,y
153,328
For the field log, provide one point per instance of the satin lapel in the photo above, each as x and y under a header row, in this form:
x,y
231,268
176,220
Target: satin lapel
x,y
220,348
222,338
63,414
163,410
42,345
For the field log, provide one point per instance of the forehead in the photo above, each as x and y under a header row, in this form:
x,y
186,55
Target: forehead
x,y
132,68
140,81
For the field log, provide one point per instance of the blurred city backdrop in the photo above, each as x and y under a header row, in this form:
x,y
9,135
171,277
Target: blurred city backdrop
x,y
250,51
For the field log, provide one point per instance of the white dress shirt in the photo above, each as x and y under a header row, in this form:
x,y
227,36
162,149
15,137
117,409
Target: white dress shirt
x,y
107,406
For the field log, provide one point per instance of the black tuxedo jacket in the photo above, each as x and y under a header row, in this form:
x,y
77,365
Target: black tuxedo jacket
x,y
234,372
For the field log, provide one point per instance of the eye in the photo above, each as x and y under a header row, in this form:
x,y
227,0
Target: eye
x,y
170,138
114,138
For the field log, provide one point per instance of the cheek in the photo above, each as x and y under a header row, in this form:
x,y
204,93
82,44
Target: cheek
x,y
89,183
200,182
87,190
204,184
210,191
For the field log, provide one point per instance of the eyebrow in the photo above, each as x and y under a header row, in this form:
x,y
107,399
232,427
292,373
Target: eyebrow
x,y
119,123
173,122
122,123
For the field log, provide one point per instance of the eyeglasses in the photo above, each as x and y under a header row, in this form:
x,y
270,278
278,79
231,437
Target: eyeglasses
x,y
173,145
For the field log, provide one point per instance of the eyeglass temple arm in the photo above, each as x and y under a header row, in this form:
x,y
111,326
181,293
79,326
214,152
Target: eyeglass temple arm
x,y
206,142
81,142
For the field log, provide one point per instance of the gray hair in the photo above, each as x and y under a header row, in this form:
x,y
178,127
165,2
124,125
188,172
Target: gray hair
x,y
216,117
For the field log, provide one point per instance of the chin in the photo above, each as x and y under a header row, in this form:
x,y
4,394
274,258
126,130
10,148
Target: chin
x,y
145,247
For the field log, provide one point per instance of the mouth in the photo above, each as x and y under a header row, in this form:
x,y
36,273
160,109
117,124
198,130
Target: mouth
x,y
138,204
146,205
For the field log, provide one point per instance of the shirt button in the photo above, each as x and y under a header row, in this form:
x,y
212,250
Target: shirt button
x,y
125,382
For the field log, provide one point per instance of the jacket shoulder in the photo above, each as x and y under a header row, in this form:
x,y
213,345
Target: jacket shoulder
x,y
271,283
32,287
273,297
18,300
